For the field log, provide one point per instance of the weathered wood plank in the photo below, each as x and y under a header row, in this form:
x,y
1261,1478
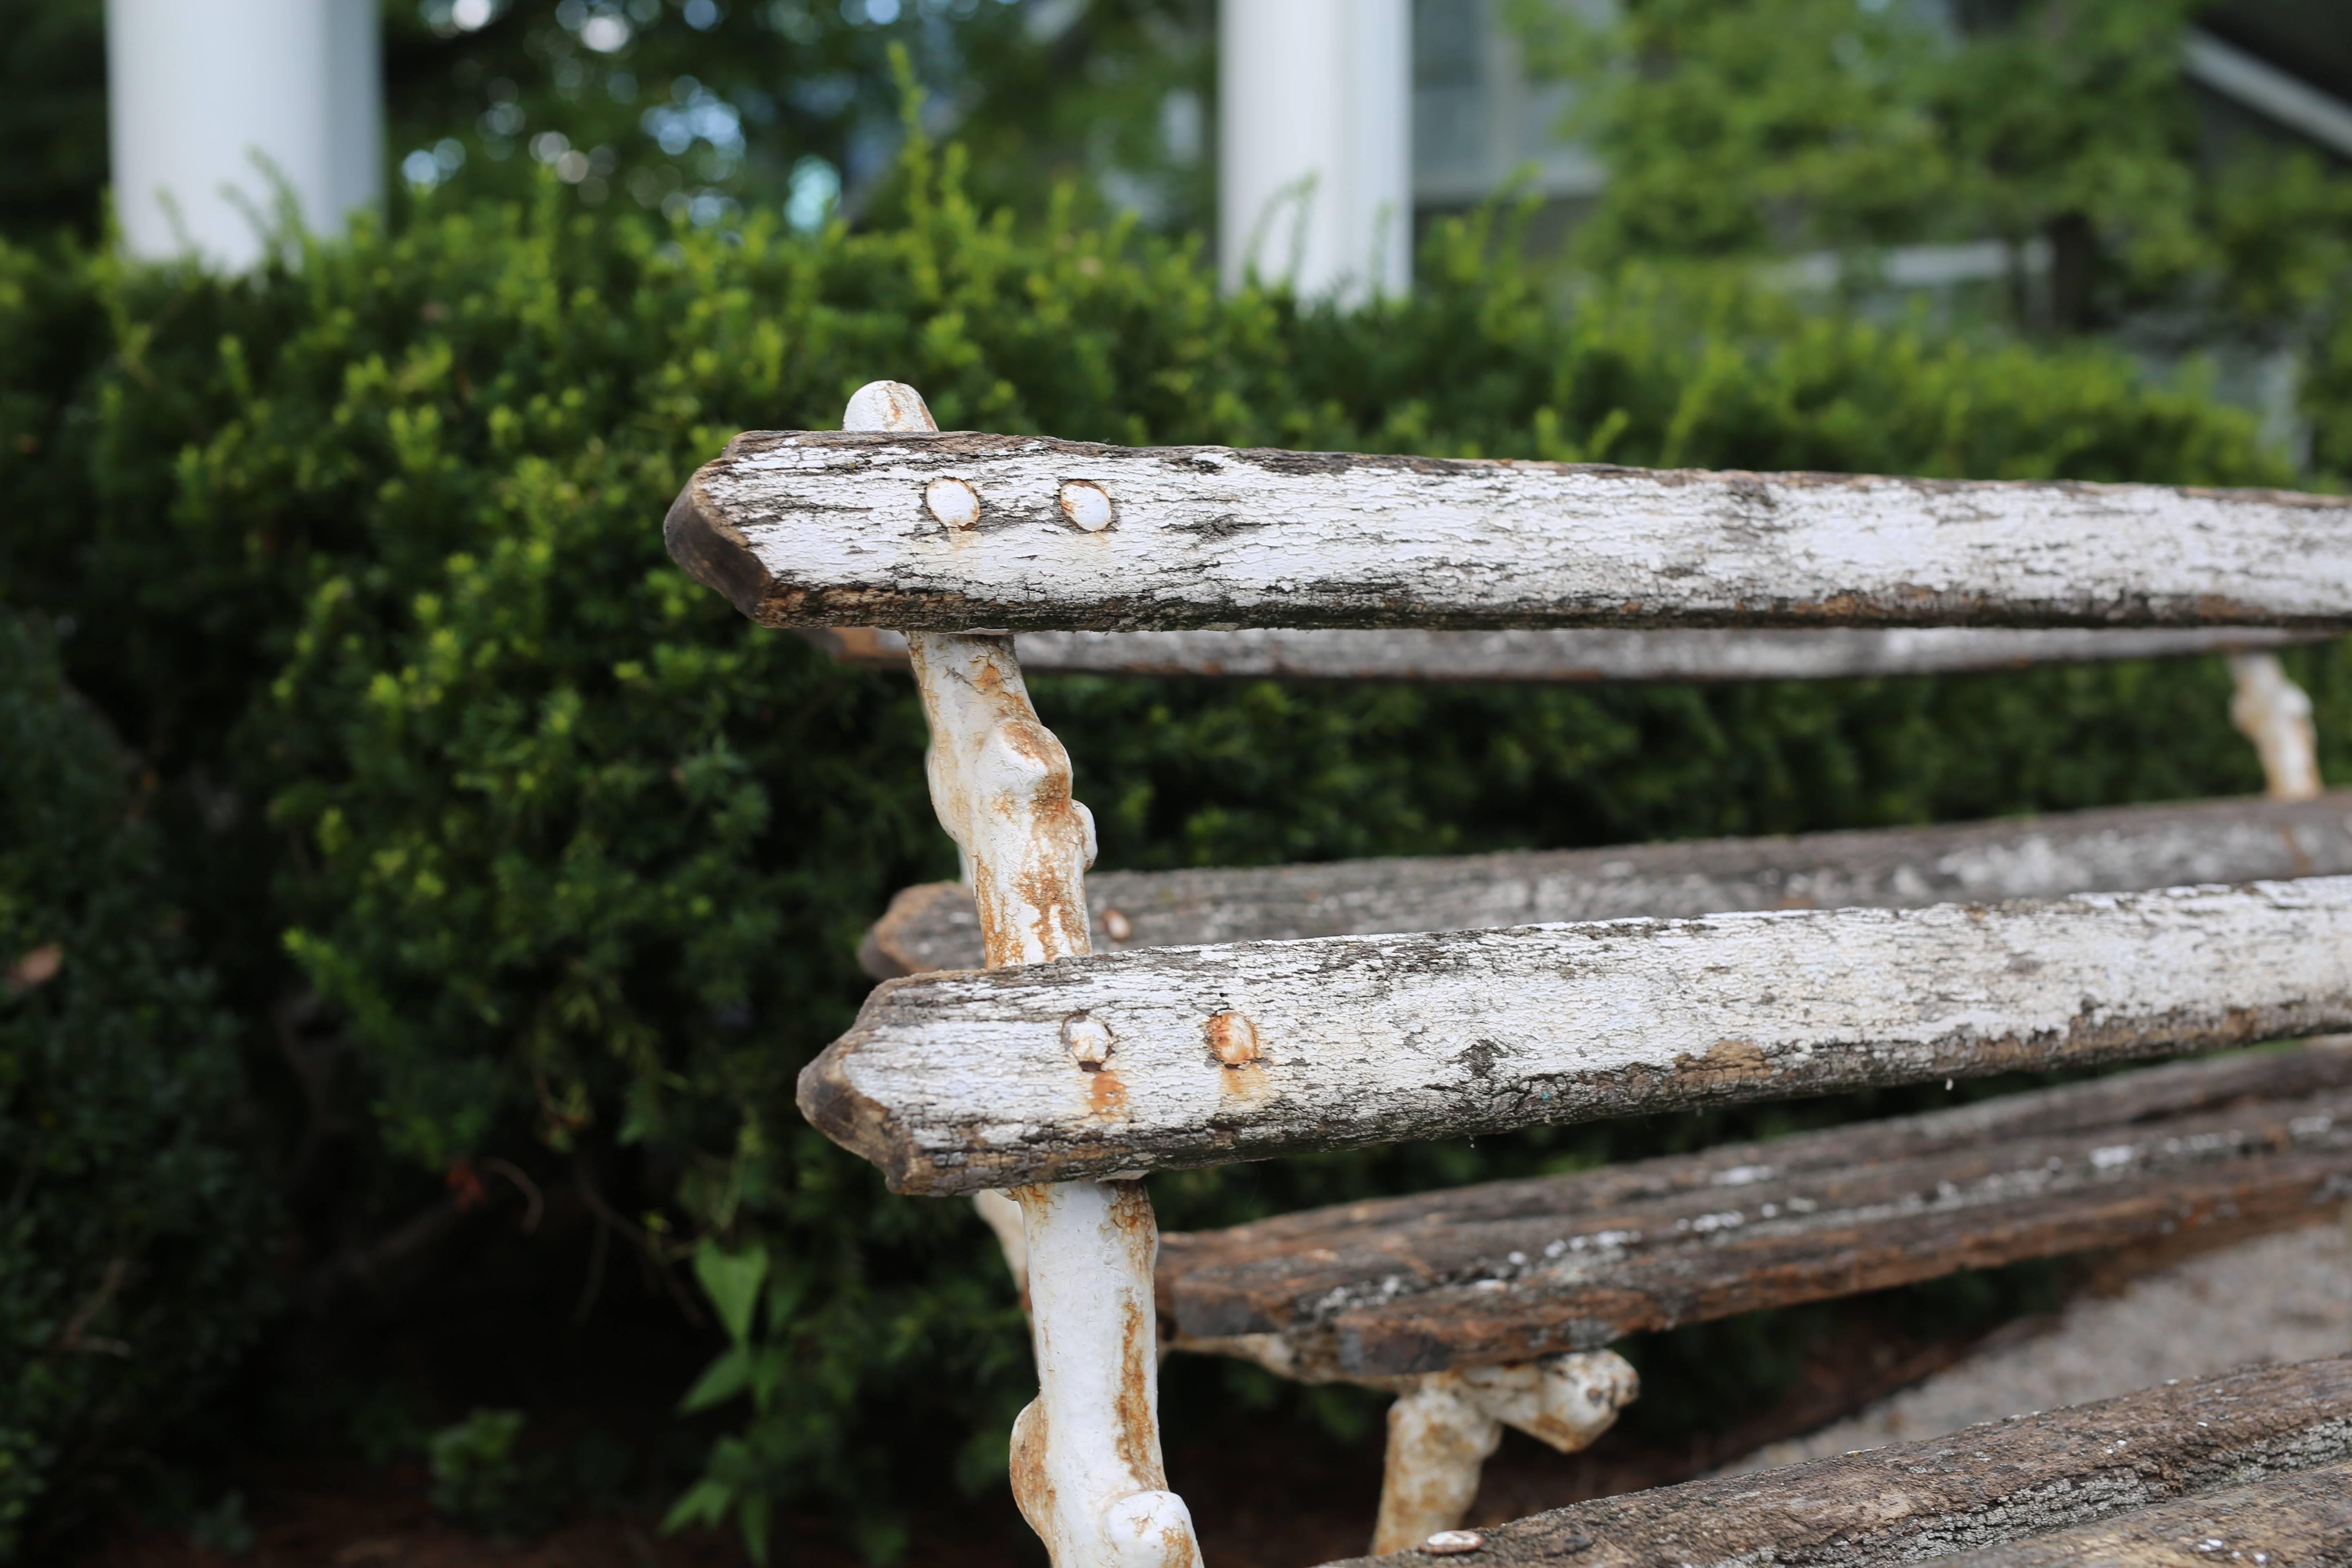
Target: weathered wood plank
x,y
2288,1521
1580,655
840,529
959,1081
1514,1271
2124,849
2145,1094
1977,1489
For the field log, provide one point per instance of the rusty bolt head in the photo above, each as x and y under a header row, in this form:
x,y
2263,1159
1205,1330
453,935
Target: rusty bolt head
x,y
1452,1542
1115,927
1085,505
1232,1038
955,503
1088,1039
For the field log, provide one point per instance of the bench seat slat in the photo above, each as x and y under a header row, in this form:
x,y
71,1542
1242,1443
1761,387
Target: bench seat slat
x,y
2147,1095
1459,1279
960,1082
833,529
2114,849
1977,1488
1572,655
2281,1521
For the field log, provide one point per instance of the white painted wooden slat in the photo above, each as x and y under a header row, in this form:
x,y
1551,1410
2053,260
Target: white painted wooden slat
x,y
958,1080
1576,654
977,531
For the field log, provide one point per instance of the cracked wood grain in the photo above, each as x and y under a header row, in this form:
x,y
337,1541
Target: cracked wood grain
x,y
2116,849
1492,1275
813,528
2287,1522
1981,1489
1572,655
956,1081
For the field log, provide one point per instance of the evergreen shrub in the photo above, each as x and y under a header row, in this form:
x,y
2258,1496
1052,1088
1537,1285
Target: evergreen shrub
x,y
132,1234
580,860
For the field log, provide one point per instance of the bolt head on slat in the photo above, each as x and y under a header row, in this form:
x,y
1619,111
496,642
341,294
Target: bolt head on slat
x,y
955,503
1085,505
1232,1038
1088,1039
1452,1542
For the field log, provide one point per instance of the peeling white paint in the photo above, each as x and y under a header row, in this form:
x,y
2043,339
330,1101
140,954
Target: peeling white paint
x,y
1378,1040
1208,537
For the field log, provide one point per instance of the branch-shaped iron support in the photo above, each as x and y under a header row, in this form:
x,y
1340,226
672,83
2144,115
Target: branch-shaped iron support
x,y
1086,1467
1445,1424
2274,713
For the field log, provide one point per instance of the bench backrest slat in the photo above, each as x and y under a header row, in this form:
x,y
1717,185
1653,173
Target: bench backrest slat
x,y
1576,655
2115,849
962,1081
957,531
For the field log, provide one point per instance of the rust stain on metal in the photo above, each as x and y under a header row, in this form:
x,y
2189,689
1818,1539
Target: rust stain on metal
x,y
1032,1483
1136,1421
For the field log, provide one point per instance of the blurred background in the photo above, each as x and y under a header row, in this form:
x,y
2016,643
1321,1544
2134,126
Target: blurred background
x,y
416,898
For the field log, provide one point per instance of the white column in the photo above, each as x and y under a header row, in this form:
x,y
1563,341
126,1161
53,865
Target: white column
x,y
197,88
1315,144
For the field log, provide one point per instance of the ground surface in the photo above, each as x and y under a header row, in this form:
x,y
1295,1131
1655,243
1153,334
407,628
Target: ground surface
x,y
1266,1496
2283,1297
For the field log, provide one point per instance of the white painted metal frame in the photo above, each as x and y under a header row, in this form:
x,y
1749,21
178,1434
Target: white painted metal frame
x,y
1086,1468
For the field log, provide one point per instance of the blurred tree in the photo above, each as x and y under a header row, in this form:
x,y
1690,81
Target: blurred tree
x,y
1741,128
702,108
52,114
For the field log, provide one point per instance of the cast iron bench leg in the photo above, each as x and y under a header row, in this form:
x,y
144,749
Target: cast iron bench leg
x,y
1087,1467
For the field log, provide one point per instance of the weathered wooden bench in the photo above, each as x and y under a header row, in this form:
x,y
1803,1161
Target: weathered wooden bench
x,y
1063,1076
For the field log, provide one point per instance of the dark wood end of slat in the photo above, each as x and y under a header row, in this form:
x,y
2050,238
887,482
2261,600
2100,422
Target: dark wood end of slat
x,y
712,552
855,1122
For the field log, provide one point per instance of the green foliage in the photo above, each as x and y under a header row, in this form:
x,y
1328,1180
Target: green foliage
x,y
52,114
1739,128
132,1234
483,1480
581,859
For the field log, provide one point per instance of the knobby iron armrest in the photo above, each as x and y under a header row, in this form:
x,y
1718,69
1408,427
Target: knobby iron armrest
x,y
1573,655
808,527
1980,1487
1507,1271
2114,849
960,1081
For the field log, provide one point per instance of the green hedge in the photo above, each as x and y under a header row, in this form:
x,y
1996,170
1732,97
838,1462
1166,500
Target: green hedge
x,y
369,544
132,1231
